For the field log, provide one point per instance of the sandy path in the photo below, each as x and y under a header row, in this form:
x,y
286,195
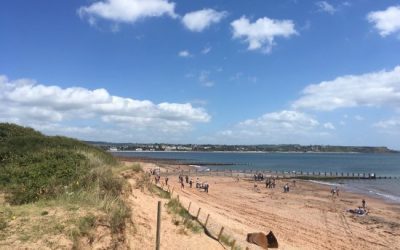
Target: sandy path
x,y
142,234
306,218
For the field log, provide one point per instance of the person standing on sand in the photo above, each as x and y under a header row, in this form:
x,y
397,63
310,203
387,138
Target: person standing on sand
x,y
363,203
166,181
191,183
337,191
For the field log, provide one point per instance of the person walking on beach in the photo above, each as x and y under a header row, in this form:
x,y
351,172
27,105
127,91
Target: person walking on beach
x,y
337,191
206,187
166,181
363,203
191,182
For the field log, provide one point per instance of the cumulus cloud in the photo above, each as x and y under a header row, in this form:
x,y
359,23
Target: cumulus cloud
x,y
260,35
198,21
184,53
374,89
386,21
25,101
329,125
287,126
324,6
391,126
126,11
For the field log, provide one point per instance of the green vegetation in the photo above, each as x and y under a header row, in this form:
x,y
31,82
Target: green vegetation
x,y
186,219
34,166
42,174
228,241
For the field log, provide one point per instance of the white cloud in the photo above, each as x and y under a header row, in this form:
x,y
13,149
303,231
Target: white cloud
x,y
199,20
184,53
260,35
204,79
359,118
329,125
285,126
127,11
391,126
375,89
324,6
206,50
24,101
387,21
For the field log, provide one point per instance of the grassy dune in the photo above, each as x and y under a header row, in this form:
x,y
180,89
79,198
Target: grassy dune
x,y
57,192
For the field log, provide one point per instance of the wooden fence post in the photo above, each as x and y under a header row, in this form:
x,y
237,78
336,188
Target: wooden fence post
x,y
198,213
220,233
158,226
233,244
205,224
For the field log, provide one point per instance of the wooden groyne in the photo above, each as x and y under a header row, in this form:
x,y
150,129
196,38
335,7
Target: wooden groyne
x,y
250,173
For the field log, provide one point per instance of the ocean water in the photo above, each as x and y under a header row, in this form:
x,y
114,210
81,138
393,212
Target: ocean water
x,y
380,164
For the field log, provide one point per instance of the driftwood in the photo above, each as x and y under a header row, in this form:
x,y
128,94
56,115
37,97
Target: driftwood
x,y
262,240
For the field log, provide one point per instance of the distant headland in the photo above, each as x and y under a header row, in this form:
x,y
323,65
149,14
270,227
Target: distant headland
x,y
272,148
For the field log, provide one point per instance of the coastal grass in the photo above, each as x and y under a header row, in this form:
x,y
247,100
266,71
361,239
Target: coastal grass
x,y
185,218
144,181
57,186
228,241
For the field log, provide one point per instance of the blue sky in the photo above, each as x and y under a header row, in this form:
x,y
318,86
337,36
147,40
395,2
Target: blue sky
x,y
308,72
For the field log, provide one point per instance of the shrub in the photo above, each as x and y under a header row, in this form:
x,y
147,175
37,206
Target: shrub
x,y
34,166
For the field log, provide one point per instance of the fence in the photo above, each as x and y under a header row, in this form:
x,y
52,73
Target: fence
x,y
211,228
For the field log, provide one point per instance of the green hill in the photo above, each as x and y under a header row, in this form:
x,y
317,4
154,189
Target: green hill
x,y
35,166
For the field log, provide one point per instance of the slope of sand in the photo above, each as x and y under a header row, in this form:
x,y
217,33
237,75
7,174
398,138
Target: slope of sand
x,y
141,234
305,218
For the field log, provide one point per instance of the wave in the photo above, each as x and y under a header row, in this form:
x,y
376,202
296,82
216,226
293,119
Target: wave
x,y
200,168
326,183
387,196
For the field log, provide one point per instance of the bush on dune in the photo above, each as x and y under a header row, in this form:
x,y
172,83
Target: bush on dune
x,y
34,166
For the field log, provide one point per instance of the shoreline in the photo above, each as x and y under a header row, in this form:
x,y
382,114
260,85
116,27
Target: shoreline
x,y
173,164
307,217
240,152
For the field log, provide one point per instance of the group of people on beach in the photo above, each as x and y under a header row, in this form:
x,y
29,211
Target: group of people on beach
x,y
258,177
360,210
199,185
270,183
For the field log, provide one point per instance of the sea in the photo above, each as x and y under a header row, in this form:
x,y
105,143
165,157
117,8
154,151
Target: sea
x,y
379,164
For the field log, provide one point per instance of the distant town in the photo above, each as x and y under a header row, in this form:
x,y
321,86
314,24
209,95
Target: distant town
x,y
239,148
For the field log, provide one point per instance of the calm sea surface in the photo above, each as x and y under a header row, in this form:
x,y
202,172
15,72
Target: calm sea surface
x,y
380,164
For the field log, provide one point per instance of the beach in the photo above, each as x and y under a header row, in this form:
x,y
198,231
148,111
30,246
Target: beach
x,y
307,217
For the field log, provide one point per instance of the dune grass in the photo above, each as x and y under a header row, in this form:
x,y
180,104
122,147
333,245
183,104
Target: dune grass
x,y
56,186
185,218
